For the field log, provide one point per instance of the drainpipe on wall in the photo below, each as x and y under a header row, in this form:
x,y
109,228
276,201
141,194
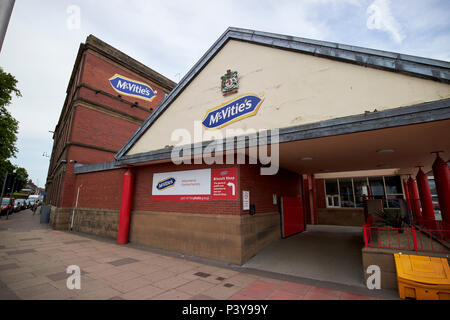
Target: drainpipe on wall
x,y
125,208
76,207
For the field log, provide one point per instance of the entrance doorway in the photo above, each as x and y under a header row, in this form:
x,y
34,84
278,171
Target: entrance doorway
x,y
324,253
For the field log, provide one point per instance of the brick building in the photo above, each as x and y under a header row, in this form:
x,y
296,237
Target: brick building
x,y
96,120
343,122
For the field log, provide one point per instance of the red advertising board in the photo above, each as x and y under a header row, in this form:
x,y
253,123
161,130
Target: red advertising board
x,y
224,184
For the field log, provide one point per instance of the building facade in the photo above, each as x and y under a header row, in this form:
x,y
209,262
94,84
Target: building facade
x,y
265,135
97,118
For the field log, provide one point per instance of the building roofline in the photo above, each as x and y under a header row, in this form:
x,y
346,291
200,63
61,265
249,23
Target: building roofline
x,y
95,44
389,61
402,116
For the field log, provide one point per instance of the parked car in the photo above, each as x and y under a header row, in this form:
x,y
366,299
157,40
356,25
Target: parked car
x,y
33,198
7,206
20,204
16,207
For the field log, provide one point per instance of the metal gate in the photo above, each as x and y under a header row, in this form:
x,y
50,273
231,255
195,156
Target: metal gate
x,y
292,220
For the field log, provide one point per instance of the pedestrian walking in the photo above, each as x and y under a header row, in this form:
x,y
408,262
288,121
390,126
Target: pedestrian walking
x,y
34,207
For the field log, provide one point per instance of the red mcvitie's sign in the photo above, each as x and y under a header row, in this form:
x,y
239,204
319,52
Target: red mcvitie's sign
x,y
224,184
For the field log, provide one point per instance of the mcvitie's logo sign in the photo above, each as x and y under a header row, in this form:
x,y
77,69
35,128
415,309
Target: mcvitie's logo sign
x,y
231,111
166,183
132,88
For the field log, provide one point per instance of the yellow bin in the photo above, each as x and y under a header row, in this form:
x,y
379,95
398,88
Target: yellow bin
x,y
422,277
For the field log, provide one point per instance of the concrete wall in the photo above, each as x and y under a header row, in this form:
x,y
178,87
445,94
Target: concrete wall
x,y
228,238
341,216
100,222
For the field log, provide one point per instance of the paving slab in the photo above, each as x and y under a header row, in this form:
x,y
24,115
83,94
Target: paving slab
x,y
34,259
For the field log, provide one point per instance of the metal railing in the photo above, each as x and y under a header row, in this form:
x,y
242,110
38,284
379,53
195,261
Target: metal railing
x,y
408,238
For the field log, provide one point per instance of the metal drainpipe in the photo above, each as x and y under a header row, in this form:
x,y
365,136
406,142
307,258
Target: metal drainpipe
x,y
76,207
125,208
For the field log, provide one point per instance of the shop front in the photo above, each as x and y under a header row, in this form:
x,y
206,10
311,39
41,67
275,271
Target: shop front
x,y
265,125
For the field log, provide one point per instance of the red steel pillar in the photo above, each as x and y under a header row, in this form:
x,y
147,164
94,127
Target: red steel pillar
x,y
441,172
425,200
408,200
415,202
125,208
313,183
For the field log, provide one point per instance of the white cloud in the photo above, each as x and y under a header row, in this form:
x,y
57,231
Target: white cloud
x,y
381,18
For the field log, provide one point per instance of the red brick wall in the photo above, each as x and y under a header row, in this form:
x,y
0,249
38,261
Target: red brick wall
x,y
104,189
142,195
89,155
91,95
320,193
100,129
99,190
97,73
81,155
284,183
93,127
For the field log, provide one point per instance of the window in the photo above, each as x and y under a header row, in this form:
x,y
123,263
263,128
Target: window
x,y
433,188
346,193
361,188
332,192
376,188
331,186
394,191
393,185
349,192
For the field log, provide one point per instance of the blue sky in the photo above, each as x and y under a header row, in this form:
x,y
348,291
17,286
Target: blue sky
x,y
170,36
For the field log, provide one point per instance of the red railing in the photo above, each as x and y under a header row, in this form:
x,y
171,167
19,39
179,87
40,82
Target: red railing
x,y
409,238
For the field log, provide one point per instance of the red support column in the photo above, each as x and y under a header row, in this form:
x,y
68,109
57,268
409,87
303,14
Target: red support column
x,y
425,200
415,202
408,200
125,208
313,194
441,172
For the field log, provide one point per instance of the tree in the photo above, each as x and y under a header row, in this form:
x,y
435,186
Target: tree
x,y
21,174
8,131
8,125
5,167
22,178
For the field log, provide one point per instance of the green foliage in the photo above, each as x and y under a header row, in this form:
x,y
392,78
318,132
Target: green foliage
x,y
8,134
5,166
8,131
8,125
21,174
22,178
7,88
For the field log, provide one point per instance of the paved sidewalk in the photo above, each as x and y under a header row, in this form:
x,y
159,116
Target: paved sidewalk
x,y
34,258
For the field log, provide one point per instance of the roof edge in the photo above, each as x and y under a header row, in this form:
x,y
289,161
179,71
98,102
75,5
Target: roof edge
x,y
402,116
389,61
